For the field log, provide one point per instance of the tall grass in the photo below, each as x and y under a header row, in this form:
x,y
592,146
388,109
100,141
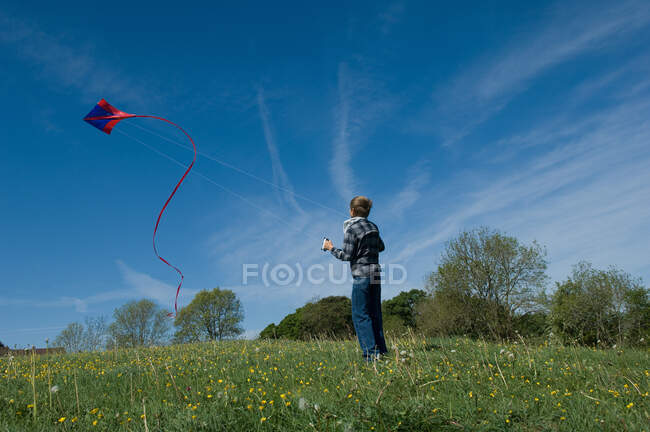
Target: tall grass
x,y
423,384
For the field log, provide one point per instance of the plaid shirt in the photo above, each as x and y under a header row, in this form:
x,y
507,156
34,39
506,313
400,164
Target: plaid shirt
x,y
361,246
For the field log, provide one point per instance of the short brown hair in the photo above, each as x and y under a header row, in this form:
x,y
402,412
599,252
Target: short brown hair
x,y
360,206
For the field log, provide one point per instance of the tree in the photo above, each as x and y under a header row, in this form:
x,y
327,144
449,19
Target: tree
x,y
212,315
94,337
637,322
71,338
484,280
403,308
269,332
328,317
289,327
138,323
600,306
452,313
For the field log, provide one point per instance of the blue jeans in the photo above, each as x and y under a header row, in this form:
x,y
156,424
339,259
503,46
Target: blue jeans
x,y
366,316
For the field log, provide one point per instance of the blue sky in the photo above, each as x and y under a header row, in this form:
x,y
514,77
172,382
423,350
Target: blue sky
x,y
532,120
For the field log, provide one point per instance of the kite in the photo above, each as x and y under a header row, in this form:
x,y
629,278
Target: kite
x,y
104,117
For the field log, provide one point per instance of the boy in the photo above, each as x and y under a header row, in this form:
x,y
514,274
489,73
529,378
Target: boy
x,y
361,246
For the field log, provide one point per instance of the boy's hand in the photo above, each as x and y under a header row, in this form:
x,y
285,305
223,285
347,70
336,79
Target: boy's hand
x,y
328,245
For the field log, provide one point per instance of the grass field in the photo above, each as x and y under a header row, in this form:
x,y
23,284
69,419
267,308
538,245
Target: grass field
x,y
442,384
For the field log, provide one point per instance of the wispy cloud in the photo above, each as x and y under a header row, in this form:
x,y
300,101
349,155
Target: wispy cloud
x,y
487,86
390,16
68,65
361,101
139,285
340,165
279,174
79,304
418,178
143,285
265,242
584,196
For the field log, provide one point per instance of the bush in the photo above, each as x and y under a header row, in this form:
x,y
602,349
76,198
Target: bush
x,y
452,314
330,317
394,325
532,324
597,307
269,332
400,312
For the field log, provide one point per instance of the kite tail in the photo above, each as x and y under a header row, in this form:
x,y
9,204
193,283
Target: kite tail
x,y
178,290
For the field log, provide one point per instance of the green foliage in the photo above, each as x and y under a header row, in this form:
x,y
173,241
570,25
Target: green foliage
x,y
532,324
289,327
484,281
394,325
212,315
269,332
449,313
332,317
138,323
329,317
403,307
600,307
636,325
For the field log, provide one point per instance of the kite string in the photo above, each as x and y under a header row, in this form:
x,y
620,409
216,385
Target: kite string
x,y
155,230
209,180
241,171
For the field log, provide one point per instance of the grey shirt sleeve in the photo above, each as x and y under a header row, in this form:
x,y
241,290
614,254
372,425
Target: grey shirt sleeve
x,y
349,245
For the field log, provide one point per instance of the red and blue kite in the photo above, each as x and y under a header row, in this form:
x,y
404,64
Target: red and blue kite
x,y
104,117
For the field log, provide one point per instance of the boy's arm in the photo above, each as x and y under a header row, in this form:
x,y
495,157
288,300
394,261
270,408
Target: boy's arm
x,y
382,247
349,245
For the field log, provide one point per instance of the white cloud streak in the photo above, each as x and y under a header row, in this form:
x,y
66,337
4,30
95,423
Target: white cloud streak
x,y
418,178
340,165
139,285
487,87
361,101
68,66
279,174
143,285
585,198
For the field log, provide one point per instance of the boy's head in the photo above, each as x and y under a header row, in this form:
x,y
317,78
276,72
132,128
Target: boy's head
x,y
360,206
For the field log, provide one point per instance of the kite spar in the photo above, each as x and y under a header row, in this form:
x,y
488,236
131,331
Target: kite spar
x,y
104,117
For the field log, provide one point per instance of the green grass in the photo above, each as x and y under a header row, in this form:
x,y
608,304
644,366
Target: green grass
x,y
443,384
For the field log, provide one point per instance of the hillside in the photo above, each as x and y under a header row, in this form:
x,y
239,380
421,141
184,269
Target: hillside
x,y
451,384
